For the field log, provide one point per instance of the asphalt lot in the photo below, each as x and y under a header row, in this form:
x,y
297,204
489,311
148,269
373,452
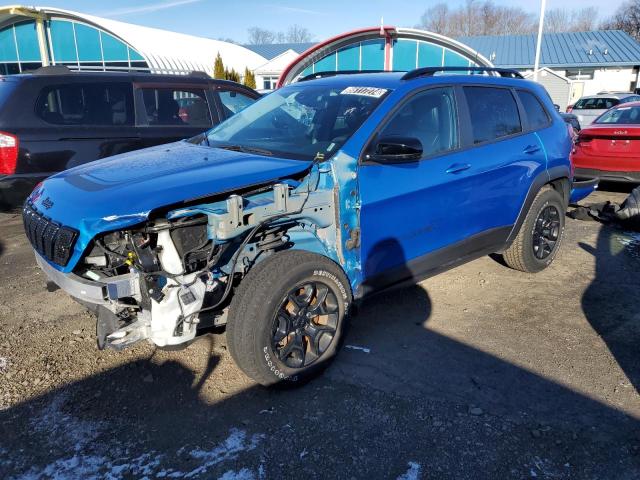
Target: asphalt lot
x,y
480,372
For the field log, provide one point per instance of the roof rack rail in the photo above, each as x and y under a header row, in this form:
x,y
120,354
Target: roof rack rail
x,y
431,71
332,73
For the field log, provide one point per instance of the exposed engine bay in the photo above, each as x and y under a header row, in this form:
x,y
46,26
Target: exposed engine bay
x,y
174,275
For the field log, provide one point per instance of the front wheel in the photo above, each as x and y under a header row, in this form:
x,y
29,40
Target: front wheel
x,y
287,317
540,235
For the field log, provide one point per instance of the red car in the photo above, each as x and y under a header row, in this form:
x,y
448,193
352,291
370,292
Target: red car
x,y
609,148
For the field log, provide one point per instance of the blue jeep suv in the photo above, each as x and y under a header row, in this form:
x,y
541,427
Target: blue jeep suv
x,y
275,221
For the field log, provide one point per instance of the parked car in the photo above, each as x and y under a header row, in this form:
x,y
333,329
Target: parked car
x,y
571,120
587,109
54,119
609,148
312,198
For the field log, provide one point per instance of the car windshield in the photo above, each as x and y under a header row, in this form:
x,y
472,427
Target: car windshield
x,y
622,116
302,122
600,103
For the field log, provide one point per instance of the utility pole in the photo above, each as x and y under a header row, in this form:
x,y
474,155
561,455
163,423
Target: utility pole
x,y
536,66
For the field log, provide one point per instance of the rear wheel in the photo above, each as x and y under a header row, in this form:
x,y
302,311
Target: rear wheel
x,y
287,317
540,236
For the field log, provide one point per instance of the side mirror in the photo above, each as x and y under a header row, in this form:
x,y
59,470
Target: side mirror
x,y
396,150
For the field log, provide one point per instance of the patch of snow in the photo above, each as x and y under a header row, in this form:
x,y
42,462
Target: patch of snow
x,y
244,474
413,473
356,347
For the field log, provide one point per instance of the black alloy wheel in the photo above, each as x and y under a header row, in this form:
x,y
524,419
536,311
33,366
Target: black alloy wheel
x,y
305,324
546,232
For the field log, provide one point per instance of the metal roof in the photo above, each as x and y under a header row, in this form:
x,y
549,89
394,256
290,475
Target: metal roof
x,y
271,51
574,49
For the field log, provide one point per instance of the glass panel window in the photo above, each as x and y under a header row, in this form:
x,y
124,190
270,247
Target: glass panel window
x,y
327,64
88,39
135,56
372,55
596,103
431,118
233,102
27,38
429,55
168,106
494,113
404,55
63,42
113,49
87,104
621,116
349,58
7,46
453,59
536,114
9,68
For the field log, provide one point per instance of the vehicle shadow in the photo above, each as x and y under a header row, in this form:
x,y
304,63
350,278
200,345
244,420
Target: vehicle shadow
x,y
415,395
611,303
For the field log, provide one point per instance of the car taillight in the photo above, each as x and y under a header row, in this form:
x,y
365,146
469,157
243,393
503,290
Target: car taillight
x,y
8,153
582,139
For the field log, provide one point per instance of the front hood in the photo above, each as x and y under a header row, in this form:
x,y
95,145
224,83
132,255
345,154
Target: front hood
x,y
121,191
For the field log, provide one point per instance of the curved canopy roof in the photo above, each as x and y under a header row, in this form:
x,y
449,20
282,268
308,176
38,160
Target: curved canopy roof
x,y
163,50
382,48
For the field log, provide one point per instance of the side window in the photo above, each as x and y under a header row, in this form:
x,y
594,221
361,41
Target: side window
x,y
170,106
494,113
233,101
536,114
430,117
87,104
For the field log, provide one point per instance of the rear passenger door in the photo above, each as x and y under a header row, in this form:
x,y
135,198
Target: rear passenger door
x,y
82,122
504,154
169,113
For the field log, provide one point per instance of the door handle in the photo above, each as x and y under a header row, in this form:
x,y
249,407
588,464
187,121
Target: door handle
x,y
457,167
531,149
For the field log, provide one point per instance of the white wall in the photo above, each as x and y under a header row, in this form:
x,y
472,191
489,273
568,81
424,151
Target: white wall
x,y
609,79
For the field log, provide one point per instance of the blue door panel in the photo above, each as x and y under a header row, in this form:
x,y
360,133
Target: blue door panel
x,y
414,209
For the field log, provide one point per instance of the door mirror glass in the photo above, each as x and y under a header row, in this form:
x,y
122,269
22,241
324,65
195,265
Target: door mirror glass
x,y
396,149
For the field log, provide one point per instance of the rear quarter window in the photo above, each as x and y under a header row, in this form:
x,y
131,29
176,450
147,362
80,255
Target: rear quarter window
x,y
494,113
537,116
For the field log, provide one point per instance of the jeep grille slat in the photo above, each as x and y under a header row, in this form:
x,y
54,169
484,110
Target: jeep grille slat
x,y
51,240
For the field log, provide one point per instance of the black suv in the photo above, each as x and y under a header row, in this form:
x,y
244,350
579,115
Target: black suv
x,y
54,119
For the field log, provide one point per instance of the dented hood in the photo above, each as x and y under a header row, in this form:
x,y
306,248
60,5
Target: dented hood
x,y
121,191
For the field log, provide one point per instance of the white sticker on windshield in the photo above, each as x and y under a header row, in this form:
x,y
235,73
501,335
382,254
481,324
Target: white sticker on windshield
x,y
364,91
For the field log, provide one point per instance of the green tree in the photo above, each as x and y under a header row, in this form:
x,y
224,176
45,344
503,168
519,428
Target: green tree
x,y
249,78
231,75
218,68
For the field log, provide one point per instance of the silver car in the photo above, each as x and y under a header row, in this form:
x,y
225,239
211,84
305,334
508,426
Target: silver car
x,y
587,109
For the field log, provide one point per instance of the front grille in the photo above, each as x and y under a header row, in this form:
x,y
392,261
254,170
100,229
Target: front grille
x,y
50,239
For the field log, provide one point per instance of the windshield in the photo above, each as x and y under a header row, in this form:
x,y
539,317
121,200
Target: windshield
x,y
299,122
600,103
622,116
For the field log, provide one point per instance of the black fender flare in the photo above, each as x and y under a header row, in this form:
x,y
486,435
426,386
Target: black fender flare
x,y
558,178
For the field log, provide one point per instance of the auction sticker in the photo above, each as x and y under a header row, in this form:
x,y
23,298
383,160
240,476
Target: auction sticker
x,y
364,91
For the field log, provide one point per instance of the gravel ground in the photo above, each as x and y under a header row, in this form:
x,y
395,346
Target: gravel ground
x,y
480,372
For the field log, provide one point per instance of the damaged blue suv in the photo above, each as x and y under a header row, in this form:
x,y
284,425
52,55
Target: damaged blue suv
x,y
274,222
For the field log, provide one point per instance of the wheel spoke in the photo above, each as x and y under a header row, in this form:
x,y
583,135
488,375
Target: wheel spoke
x,y
319,308
314,333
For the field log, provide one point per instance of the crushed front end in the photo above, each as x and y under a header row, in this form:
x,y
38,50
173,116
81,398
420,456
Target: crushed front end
x,y
165,278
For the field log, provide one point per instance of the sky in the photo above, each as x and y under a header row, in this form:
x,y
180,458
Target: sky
x,y
323,18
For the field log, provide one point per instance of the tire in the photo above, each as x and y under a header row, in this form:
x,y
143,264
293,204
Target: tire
x,y
528,252
266,325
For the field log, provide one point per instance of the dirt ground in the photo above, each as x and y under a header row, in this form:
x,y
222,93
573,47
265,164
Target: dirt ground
x,y
481,373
